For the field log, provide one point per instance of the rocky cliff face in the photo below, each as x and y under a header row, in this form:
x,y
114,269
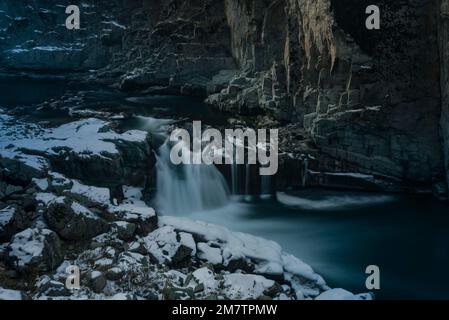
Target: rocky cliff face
x,y
369,100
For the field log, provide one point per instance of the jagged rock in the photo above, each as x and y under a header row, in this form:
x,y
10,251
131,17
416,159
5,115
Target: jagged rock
x,y
12,220
203,279
174,293
104,264
11,295
72,221
165,245
440,191
18,170
34,249
138,247
59,183
114,274
209,254
246,286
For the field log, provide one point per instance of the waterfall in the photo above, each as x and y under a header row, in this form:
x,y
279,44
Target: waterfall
x,y
305,172
187,188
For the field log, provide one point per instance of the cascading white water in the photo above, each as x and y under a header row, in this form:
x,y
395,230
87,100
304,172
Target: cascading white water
x,y
188,188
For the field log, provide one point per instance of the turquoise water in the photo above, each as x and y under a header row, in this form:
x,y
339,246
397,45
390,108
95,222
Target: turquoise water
x,y
340,233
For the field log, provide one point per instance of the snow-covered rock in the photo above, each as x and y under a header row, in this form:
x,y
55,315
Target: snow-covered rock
x,y
245,286
87,149
166,246
209,254
206,278
89,195
136,211
37,249
52,288
6,222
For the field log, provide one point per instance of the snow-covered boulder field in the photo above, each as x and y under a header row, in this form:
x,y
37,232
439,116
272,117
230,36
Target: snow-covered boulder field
x,y
124,251
52,218
88,149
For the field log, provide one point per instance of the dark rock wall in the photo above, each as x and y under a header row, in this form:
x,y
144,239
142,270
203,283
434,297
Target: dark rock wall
x,y
368,98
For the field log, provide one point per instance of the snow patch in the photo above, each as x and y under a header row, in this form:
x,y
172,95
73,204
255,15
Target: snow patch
x,y
6,215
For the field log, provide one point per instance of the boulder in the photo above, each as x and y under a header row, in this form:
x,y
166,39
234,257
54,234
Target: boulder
x,y
34,249
247,286
125,230
114,274
166,246
145,219
97,281
11,295
72,221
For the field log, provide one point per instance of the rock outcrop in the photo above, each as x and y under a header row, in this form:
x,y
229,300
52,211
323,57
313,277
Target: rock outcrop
x,y
444,67
35,250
